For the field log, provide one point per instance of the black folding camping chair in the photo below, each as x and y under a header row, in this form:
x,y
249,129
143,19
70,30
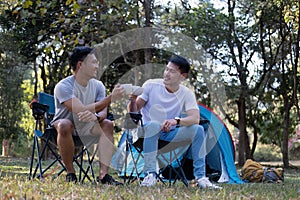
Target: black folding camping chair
x,y
168,153
44,140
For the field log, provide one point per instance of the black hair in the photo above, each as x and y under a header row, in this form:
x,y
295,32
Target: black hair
x,y
181,62
79,54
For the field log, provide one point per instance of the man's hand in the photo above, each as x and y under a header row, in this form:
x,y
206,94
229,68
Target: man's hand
x,y
166,126
132,98
86,116
118,93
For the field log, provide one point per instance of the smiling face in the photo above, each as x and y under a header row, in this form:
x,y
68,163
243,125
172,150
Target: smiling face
x,y
172,76
89,67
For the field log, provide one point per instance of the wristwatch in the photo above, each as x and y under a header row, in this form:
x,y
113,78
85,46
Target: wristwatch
x,y
98,116
178,121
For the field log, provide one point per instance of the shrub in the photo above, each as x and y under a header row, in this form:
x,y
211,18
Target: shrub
x,y
265,152
294,144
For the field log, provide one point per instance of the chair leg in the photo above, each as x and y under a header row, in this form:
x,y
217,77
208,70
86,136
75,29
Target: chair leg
x,y
125,161
79,164
83,173
135,162
40,153
179,175
32,159
90,162
90,166
129,150
39,164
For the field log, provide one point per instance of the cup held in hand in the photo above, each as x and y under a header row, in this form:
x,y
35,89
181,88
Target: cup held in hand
x,y
127,88
137,90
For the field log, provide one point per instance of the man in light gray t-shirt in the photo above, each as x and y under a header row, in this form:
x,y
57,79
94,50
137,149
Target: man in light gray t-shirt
x,y
81,109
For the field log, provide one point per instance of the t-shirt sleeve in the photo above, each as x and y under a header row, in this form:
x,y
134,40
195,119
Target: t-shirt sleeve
x,y
63,92
101,91
190,101
147,88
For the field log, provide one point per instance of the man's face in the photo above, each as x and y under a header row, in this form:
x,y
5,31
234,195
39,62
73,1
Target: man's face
x,y
90,66
172,75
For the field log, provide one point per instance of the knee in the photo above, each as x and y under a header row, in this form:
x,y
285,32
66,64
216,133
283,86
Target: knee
x,y
153,125
64,127
200,133
200,129
152,128
107,124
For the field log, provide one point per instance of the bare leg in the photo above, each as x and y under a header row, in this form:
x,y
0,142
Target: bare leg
x,y
65,142
106,145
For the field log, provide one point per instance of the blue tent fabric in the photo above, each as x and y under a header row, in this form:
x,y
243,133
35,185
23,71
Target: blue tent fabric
x,y
224,140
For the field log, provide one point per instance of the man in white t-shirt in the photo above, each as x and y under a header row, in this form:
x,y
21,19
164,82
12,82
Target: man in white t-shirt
x,y
81,109
170,113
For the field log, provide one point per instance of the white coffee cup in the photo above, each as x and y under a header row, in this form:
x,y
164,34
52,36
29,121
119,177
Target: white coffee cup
x,y
128,88
137,90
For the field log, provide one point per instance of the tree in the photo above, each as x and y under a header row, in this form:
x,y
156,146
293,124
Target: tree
x,y
230,40
252,40
11,92
283,45
48,31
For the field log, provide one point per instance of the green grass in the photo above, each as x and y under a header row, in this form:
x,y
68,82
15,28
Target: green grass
x,y
14,184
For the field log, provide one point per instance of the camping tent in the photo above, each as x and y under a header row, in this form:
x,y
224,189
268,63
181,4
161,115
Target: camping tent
x,y
220,150
220,147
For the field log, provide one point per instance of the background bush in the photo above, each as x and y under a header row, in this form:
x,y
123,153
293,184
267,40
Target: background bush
x,y
267,153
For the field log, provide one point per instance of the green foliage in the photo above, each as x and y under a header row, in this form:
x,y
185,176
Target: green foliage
x,y
47,31
21,146
11,93
28,122
251,42
294,143
251,39
267,153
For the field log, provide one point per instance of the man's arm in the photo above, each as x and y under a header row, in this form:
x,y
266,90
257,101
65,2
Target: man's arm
x,y
192,117
135,103
76,106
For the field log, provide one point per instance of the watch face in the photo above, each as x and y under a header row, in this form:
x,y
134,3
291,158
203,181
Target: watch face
x,y
178,120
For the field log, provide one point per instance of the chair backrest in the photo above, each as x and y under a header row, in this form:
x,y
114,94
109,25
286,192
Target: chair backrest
x,y
47,99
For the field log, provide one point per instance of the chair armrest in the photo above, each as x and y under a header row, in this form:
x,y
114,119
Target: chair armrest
x,y
135,116
204,121
132,120
38,110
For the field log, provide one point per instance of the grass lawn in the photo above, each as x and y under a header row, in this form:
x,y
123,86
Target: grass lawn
x,y
14,184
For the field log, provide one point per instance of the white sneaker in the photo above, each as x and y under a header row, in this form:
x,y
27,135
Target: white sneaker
x,y
149,180
205,183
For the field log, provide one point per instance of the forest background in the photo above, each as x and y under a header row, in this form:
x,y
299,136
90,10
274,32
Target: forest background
x,y
253,45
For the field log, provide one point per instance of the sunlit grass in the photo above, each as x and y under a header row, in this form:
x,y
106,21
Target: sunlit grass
x,y
14,184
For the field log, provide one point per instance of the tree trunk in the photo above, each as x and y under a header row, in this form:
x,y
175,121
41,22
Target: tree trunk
x,y
147,52
242,128
5,147
148,12
285,152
